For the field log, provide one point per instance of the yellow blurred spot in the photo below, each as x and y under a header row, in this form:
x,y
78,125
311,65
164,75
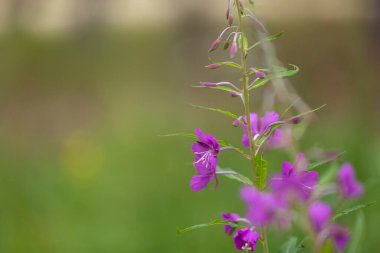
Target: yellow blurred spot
x,y
82,157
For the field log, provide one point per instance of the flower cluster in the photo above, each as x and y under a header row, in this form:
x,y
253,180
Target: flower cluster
x,y
291,196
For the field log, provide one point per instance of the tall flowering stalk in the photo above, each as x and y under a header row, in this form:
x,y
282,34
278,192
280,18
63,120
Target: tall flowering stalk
x,y
292,196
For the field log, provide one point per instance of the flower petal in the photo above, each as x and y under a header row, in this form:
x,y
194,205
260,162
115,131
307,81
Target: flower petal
x,y
199,182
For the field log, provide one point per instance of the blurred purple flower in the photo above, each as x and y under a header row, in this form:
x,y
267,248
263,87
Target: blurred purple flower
x,y
230,217
295,182
206,151
262,207
348,186
260,126
340,236
246,239
319,215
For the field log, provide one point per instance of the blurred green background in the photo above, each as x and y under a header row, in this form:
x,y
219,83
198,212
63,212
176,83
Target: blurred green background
x,y
87,86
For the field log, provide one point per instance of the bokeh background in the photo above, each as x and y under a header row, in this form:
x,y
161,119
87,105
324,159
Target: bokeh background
x,y
87,87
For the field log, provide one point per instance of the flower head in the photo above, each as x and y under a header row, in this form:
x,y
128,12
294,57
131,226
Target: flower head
x,y
230,217
206,151
340,236
263,207
295,181
348,186
246,239
319,215
260,126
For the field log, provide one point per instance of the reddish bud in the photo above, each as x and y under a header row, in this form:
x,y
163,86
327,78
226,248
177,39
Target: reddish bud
x,y
208,84
212,66
295,120
215,44
234,94
260,74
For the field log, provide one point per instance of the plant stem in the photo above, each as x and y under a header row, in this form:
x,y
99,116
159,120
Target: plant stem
x,y
264,240
246,93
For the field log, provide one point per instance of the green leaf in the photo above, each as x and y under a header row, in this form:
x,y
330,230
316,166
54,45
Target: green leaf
x,y
262,171
261,140
234,176
357,234
353,209
226,63
269,38
323,162
329,175
195,227
227,113
188,135
290,246
225,88
242,41
282,73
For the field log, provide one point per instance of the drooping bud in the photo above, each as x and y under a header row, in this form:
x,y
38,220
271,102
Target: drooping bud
x,y
241,6
234,47
230,19
208,84
215,44
260,74
295,120
234,94
212,66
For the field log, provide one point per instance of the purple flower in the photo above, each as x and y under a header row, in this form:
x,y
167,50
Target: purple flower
x,y
340,236
319,215
348,186
206,151
260,126
263,208
246,239
295,182
232,218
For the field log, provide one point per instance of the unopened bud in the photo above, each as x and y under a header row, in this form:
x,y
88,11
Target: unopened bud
x,y
212,66
295,120
234,94
260,74
230,19
208,84
215,44
233,48
236,123
226,45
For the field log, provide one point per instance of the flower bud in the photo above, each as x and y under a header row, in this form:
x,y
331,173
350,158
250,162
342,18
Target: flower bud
x,y
215,44
234,47
208,84
212,66
234,94
295,120
260,74
230,19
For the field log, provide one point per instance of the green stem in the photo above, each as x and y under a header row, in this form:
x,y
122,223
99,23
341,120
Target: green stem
x,y
246,94
264,241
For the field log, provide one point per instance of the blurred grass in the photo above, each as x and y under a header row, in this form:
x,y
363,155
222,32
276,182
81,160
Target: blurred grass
x,y
82,168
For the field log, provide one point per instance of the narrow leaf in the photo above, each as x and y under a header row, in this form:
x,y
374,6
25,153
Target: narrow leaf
x,y
225,88
234,176
280,73
357,234
322,162
227,113
353,209
226,63
188,135
261,171
195,227
290,246
261,139
269,38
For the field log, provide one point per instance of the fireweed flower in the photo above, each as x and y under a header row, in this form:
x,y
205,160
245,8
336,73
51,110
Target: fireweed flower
x,y
295,181
319,215
246,239
206,151
340,236
260,126
348,186
230,217
263,207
